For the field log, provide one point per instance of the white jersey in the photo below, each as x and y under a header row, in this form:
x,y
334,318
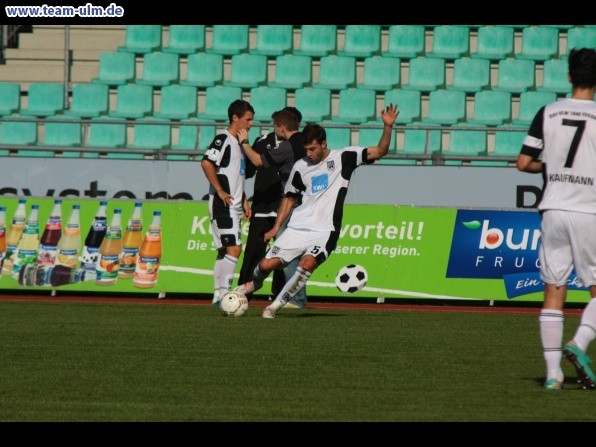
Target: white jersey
x,y
563,136
225,153
323,188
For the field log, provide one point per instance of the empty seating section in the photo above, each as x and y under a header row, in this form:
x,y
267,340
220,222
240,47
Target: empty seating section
x,y
494,77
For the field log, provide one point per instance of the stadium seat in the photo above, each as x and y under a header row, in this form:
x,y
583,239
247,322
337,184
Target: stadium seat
x,y
292,71
539,43
313,103
361,41
338,137
426,74
141,39
89,101
450,42
445,107
185,39
191,138
554,77
178,102
62,134
133,101
266,100
217,100
150,136
405,41
115,68
420,141
368,136
580,37
10,98
18,133
356,106
105,135
317,40
530,103
203,70
491,108
274,40
508,141
160,69
247,71
515,76
381,73
494,42
336,72
44,99
408,102
470,75
229,40
466,142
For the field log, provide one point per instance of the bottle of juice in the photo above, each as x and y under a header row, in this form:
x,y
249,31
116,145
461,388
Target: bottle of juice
x,y
108,262
2,234
131,242
28,244
149,255
48,244
13,236
69,244
93,241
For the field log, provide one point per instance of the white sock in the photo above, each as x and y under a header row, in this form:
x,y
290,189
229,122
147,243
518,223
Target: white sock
x,y
292,287
551,334
226,276
216,274
586,332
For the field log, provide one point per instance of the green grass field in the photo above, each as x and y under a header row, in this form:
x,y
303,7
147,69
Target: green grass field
x,y
80,362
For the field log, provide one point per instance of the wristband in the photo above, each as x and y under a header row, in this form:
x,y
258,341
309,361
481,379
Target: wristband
x,y
245,141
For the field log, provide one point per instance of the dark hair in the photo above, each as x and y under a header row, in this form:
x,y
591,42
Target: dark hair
x,y
286,118
295,112
313,132
582,67
239,108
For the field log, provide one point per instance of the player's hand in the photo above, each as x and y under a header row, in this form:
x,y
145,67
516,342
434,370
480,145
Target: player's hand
x,y
270,234
226,198
242,135
389,115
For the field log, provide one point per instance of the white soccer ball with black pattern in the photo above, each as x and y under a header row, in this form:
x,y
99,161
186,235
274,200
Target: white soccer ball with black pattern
x,y
351,278
233,304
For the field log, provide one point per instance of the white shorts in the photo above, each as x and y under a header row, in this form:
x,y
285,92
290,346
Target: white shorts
x,y
568,240
294,243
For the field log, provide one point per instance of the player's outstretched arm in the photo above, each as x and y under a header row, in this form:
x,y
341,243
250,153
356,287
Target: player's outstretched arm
x,y
389,115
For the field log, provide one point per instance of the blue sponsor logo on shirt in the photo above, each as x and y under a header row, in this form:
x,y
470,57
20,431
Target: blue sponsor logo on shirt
x,y
320,183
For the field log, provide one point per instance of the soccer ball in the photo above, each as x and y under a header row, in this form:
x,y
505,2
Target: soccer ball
x,y
233,304
351,278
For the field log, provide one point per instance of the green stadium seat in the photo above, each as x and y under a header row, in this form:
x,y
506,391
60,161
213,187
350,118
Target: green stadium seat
x,y
247,71
530,103
62,134
470,75
317,40
508,141
203,70
185,39
405,41
217,100
420,141
178,102
466,142
141,39
515,76
18,133
336,72
368,136
356,106
580,37
539,43
313,103
338,137
105,135
159,69
426,74
115,68
10,98
292,72
494,42
229,40
44,99
491,108
445,107
361,41
89,101
381,73
191,138
408,102
554,77
150,136
274,40
266,100
450,42
133,101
